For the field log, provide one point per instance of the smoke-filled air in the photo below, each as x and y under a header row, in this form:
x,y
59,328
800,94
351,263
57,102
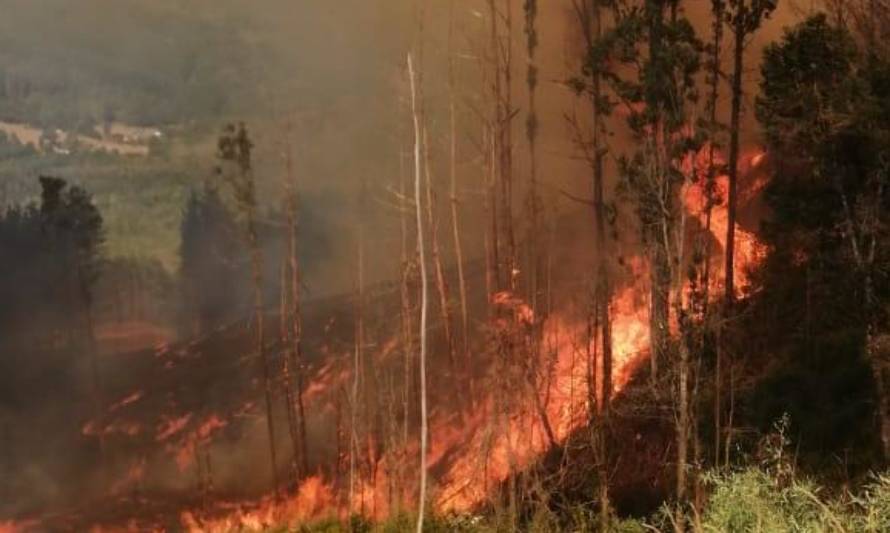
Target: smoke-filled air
x,y
359,266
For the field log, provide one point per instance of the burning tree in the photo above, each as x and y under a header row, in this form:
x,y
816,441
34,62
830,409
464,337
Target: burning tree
x,y
590,17
650,60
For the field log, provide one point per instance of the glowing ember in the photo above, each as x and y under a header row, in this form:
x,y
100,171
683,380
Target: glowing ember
x,y
133,398
11,526
121,427
172,426
135,474
185,450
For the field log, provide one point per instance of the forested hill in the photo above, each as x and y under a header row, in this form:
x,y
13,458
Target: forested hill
x,y
66,64
184,68
151,62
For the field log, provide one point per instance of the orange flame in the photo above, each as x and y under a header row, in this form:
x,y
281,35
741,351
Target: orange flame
x,y
313,500
477,450
748,250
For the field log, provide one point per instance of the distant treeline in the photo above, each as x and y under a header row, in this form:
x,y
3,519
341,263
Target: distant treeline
x,y
133,62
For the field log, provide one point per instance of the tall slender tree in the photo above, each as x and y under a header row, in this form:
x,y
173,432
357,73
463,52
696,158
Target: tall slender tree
x,y
424,290
295,309
496,140
454,200
590,19
744,18
505,132
235,148
436,255
660,54
718,9
531,134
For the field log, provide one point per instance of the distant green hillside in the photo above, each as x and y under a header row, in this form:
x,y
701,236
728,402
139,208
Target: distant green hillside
x,y
141,198
182,66
67,64
187,67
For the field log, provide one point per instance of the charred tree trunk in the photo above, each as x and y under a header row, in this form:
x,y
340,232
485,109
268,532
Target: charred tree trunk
x,y
259,320
235,146
506,155
455,218
531,133
358,366
296,316
441,282
496,140
589,16
407,322
739,34
746,17
604,283
260,346
286,371
659,248
295,353
718,9
658,307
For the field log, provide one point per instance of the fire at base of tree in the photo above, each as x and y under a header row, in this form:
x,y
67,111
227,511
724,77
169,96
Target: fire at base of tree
x,y
677,323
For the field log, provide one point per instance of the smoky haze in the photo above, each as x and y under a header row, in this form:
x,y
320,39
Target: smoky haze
x,y
322,79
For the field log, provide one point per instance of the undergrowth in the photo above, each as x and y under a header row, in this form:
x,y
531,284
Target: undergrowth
x,y
764,496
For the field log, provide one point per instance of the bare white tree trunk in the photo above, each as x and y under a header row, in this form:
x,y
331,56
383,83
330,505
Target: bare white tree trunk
x,y
423,295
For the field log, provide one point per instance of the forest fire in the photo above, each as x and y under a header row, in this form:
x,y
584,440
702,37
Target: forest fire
x,y
475,447
490,452
313,499
498,265
475,451
748,249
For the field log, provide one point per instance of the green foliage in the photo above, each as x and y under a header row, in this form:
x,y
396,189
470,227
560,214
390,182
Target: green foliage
x,y
823,107
141,199
650,62
874,502
825,386
768,497
747,15
752,501
808,87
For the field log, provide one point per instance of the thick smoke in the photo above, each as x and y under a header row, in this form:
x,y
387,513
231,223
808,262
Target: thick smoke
x,y
330,87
